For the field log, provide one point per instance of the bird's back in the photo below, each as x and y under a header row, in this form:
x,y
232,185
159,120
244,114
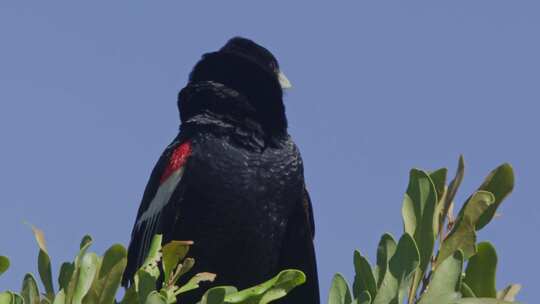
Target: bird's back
x,y
237,205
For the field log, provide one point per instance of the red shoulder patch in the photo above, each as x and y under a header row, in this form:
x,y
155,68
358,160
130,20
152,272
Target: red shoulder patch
x,y
178,159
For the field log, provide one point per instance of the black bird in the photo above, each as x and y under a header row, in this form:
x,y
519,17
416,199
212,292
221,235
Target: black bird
x,y
233,179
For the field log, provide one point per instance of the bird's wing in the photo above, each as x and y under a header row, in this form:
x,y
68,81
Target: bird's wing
x,y
298,252
306,202
165,180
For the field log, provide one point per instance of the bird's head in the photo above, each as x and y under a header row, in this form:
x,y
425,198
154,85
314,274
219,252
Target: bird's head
x,y
259,55
253,71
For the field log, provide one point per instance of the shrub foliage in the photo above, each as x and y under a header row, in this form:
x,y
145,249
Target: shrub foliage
x,y
437,260
427,264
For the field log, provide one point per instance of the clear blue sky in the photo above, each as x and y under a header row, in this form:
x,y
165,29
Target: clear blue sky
x,y
88,102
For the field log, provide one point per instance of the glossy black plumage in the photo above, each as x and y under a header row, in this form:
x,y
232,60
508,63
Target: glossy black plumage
x,y
242,196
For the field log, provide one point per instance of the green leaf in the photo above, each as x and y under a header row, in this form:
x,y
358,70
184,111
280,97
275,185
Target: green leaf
x,y
145,284
214,295
86,241
146,277
418,213
40,238
155,298
186,266
66,272
446,282
439,181
131,296
339,291
463,235
385,251
17,299
509,293
363,298
154,254
466,291
481,301
173,253
228,289
168,293
404,264
45,273
363,278
60,297
452,190
193,283
110,274
420,217
500,182
4,264
9,297
402,267
438,177
86,274
5,297
30,291
481,270
269,291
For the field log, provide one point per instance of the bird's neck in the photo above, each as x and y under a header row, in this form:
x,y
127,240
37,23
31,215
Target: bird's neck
x,y
216,108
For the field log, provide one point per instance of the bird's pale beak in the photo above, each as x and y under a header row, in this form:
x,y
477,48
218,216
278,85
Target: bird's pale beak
x,y
284,81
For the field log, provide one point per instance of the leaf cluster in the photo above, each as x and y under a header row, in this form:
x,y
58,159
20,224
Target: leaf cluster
x,y
437,260
413,269
94,279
